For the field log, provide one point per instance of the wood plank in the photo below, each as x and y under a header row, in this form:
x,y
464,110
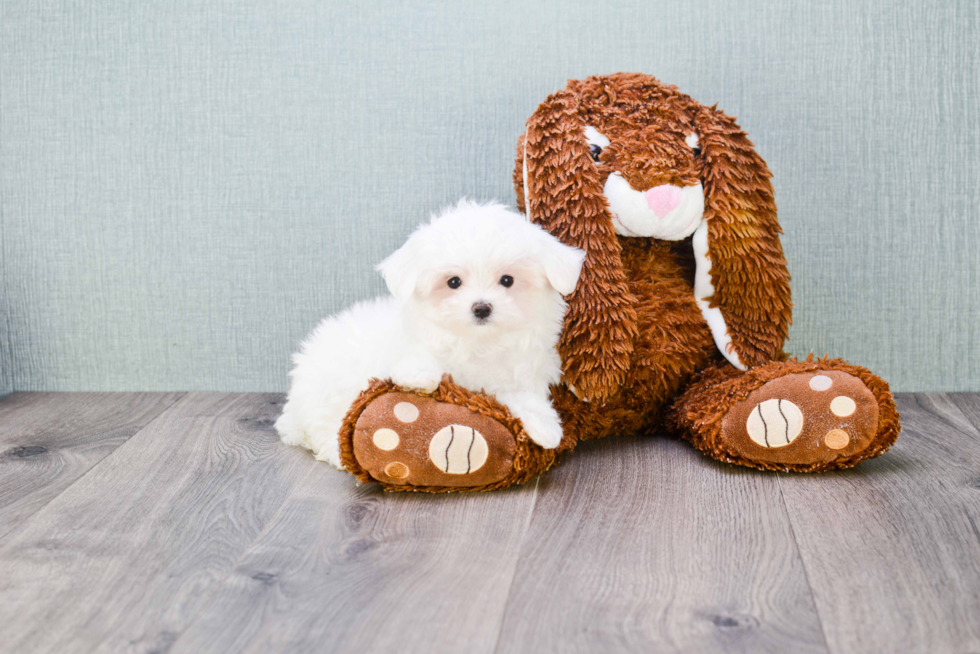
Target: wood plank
x,y
48,440
355,569
892,548
642,544
126,557
969,406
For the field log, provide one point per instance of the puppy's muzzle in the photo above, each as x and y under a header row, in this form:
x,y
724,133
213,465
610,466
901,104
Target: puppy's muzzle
x,y
482,311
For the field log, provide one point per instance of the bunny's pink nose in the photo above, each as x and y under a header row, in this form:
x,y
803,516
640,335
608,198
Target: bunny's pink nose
x,y
663,199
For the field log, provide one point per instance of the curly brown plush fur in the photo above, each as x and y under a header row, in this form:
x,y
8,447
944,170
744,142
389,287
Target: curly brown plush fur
x,y
647,123
634,335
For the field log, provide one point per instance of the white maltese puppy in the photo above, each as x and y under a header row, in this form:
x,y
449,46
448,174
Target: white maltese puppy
x,y
476,293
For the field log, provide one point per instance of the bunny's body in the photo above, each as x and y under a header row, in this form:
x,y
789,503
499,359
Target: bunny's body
x,y
684,300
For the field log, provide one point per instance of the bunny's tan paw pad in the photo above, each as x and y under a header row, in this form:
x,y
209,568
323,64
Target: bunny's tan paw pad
x,y
451,440
408,439
802,420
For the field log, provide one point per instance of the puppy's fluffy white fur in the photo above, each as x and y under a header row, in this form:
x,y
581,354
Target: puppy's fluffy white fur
x,y
426,328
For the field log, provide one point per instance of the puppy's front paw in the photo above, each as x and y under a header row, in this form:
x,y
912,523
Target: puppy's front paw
x,y
546,433
417,374
541,422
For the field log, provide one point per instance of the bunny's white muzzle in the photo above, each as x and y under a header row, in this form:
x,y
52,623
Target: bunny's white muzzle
x,y
666,212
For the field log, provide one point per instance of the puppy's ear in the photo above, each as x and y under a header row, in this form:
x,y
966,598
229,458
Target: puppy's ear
x,y
743,285
400,269
563,194
562,264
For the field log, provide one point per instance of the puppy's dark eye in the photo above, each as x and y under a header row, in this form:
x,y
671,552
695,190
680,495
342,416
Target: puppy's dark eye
x,y
506,281
454,282
596,151
697,151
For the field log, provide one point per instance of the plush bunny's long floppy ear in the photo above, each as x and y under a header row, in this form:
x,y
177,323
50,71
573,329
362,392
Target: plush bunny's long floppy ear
x,y
742,283
562,192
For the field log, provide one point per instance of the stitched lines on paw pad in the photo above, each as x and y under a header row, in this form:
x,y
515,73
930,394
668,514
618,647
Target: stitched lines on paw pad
x,y
458,450
775,423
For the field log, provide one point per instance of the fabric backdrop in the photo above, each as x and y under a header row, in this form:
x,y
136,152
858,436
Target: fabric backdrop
x,y
186,188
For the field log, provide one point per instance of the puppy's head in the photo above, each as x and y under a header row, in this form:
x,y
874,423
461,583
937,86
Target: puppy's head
x,y
476,270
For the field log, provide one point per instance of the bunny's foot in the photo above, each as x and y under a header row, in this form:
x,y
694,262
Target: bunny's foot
x,y
804,416
449,440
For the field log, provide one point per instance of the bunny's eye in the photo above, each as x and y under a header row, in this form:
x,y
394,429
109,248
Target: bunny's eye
x,y
454,282
692,142
506,281
596,140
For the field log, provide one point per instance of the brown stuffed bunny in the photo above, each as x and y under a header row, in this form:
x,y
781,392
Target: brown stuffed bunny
x,y
680,314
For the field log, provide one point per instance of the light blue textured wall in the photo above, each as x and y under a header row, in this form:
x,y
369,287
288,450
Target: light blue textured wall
x,y
185,188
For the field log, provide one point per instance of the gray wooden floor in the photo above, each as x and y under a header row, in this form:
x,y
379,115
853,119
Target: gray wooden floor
x,y
177,522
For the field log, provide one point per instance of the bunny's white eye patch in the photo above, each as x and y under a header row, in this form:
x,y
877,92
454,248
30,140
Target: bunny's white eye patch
x,y
595,137
597,142
692,142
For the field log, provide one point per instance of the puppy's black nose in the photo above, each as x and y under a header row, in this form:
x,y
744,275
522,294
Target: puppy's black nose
x,y
482,310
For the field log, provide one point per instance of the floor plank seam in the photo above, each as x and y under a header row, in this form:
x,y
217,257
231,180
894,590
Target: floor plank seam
x,y
4,537
968,422
510,586
806,572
